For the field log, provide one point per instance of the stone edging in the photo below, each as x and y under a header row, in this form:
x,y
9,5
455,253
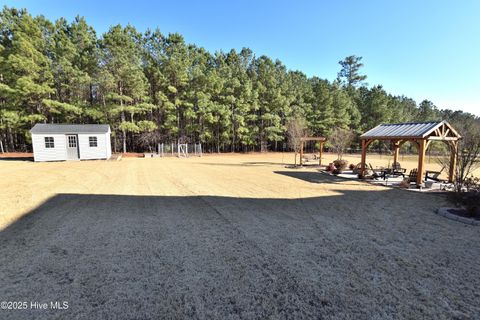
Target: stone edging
x,y
443,211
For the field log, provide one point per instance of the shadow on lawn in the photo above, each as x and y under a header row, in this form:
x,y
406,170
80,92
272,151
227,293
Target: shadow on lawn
x,y
316,177
265,163
29,159
247,164
124,257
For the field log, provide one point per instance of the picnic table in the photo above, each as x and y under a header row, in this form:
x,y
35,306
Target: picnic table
x,y
385,173
390,172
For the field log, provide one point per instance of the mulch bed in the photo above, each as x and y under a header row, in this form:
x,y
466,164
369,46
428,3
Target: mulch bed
x,y
463,213
458,214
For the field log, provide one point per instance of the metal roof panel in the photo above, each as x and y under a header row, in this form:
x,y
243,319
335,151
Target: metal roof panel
x,y
40,128
404,130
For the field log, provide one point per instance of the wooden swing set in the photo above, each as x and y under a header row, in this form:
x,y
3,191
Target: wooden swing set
x,y
304,140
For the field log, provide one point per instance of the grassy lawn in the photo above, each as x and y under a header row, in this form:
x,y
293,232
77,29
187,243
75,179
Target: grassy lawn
x,y
228,237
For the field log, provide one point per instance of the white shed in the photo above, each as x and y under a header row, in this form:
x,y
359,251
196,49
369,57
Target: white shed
x,y
57,142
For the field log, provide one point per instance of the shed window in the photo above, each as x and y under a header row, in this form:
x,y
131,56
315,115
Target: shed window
x,y
93,141
72,141
49,142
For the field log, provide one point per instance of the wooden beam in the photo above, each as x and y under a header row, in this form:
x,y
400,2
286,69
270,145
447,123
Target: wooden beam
x,y
427,144
443,138
453,131
401,143
320,154
301,153
453,161
364,156
396,149
421,161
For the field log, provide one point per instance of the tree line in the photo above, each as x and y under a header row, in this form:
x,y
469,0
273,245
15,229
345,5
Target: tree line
x,y
153,88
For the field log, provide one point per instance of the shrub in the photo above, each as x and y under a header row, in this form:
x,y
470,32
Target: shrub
x,y
469,200
340,164
472,203
472,184
405,183
351,166
336,171
331,167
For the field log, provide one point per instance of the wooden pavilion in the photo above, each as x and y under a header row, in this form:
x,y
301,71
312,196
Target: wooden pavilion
x,y
421,134
321,141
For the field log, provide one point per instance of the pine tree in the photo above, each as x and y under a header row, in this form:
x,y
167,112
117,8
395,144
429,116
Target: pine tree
x,y
375,108
125,81
151,88
321,119
25,73
272,104
350,75
427,111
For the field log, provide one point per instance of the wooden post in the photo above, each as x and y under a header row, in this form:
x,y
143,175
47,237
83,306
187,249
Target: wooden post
x,y
421,161
453,160
396,146
320,154
364,156
301,153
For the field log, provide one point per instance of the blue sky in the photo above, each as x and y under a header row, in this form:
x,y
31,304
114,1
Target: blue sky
x,y
422,49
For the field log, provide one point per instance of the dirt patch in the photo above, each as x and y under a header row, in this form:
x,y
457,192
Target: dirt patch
x,y
16,155
130,154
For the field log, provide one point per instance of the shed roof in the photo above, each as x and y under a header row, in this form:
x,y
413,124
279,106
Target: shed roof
x,y
70,128
412,130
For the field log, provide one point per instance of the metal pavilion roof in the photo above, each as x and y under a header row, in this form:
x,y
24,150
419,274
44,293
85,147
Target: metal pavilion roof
x,y
412,130
41,128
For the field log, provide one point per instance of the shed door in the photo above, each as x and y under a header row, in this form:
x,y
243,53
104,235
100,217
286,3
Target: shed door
x,y
72,147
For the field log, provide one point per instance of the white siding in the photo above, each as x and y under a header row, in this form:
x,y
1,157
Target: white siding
x,y
109,145
41,153
98,152
59,153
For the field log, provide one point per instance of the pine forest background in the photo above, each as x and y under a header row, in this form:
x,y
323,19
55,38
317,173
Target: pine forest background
x,y
154,88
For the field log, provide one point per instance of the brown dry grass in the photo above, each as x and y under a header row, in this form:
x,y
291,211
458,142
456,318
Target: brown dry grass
x,y
228,237
26,184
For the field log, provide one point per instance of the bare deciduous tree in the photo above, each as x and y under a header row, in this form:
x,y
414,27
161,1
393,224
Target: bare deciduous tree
x,y
296,130
340,139
468,154
149,140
